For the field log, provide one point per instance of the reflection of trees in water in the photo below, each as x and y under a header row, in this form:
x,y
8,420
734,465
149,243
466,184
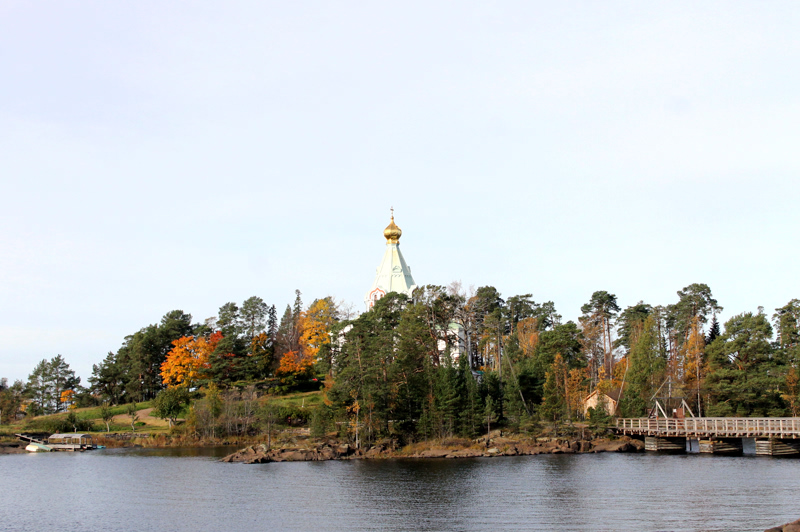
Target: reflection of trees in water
x,y
430,492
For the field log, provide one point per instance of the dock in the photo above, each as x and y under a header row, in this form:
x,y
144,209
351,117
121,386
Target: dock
x,y
716,435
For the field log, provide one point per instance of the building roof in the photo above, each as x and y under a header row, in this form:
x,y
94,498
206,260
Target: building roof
x,y
393,274
611,394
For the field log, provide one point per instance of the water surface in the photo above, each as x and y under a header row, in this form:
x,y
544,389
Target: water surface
x,y
188,490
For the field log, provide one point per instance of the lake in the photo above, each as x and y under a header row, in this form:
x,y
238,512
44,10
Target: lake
x,y
188,490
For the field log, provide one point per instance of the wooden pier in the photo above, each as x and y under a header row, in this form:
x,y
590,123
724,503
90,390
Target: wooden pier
x,y
776,436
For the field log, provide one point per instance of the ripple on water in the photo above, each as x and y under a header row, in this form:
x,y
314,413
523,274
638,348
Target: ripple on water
x,y
169,489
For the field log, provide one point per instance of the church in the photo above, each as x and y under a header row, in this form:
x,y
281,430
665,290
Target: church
x,y
394,275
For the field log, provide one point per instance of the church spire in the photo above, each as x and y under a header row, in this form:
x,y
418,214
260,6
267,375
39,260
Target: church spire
x,y
393,274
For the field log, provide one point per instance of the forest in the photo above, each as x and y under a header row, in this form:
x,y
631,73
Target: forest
x,y
445,362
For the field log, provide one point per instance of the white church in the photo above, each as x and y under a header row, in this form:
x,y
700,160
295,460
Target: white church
x,y
394,275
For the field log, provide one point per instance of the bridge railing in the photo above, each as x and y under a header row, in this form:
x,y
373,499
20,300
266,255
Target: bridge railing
x,y
783,427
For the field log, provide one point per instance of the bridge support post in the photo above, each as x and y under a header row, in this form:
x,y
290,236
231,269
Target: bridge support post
x,y
670,445
777,447
721,446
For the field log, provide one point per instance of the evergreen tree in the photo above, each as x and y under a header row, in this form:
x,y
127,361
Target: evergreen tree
x,y
254,314
743,379
11,399
713,330
599,314
646,367
229,320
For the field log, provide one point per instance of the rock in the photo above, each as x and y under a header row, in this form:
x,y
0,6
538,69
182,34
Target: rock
x,y
465,453
637,444
374,451
794,526
575,447
434,453
326,453
493,451
344,449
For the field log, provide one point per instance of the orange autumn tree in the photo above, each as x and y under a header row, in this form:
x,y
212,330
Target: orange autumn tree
x,y
528,336
314,326
68,398
189,360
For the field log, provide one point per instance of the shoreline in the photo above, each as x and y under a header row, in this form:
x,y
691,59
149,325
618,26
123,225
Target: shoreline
x,y
452,449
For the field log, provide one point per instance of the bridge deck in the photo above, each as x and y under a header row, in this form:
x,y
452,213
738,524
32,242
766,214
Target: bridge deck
x,y
707,427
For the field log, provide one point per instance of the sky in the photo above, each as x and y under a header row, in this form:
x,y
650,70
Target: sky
x,y
180,155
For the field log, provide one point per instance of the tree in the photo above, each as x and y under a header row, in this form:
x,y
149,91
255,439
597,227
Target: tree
x,y
262,352
73,421
108,380
315,327
600,312
38,389
133,413
188,362
68,398
713,330
629,319
169,403
11,398
46,383
254,314
229,320
142,354
62,378
743,379
106,414
692,362
792,394
695,303
554,406
646,367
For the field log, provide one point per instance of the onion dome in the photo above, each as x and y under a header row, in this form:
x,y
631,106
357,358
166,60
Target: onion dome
x,y
392,232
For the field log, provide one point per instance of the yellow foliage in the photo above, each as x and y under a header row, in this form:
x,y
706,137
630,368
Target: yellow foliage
x,y
189,360
528,336
315,326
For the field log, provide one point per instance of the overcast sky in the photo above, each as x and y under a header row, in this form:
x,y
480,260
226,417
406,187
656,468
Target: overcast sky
x,y
179,155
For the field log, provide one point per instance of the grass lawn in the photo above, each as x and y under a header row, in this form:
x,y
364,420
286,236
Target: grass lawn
x,y
299,400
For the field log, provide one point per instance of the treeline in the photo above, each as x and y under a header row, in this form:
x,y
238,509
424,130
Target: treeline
x,y
405,369
442,362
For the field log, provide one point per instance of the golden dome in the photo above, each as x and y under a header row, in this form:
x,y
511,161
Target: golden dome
x,y
392,232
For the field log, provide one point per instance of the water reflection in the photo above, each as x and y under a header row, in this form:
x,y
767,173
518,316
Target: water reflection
x,y
187,489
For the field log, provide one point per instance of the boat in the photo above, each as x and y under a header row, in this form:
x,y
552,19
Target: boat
x,y
38,448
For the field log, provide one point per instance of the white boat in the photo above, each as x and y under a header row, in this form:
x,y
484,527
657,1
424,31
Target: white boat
x,y
38,448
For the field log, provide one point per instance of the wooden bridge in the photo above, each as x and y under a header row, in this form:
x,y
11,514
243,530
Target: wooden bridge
x,y
773,436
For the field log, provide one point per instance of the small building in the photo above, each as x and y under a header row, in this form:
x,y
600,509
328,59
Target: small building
x,y
609,399
71,442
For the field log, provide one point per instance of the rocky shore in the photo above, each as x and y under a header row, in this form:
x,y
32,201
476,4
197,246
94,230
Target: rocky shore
x,y
499,446
794,526
12,448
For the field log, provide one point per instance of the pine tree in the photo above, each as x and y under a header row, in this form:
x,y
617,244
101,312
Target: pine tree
x,y
713,330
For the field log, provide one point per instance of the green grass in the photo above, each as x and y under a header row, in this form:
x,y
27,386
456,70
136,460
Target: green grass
x,y
94,411
298,400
